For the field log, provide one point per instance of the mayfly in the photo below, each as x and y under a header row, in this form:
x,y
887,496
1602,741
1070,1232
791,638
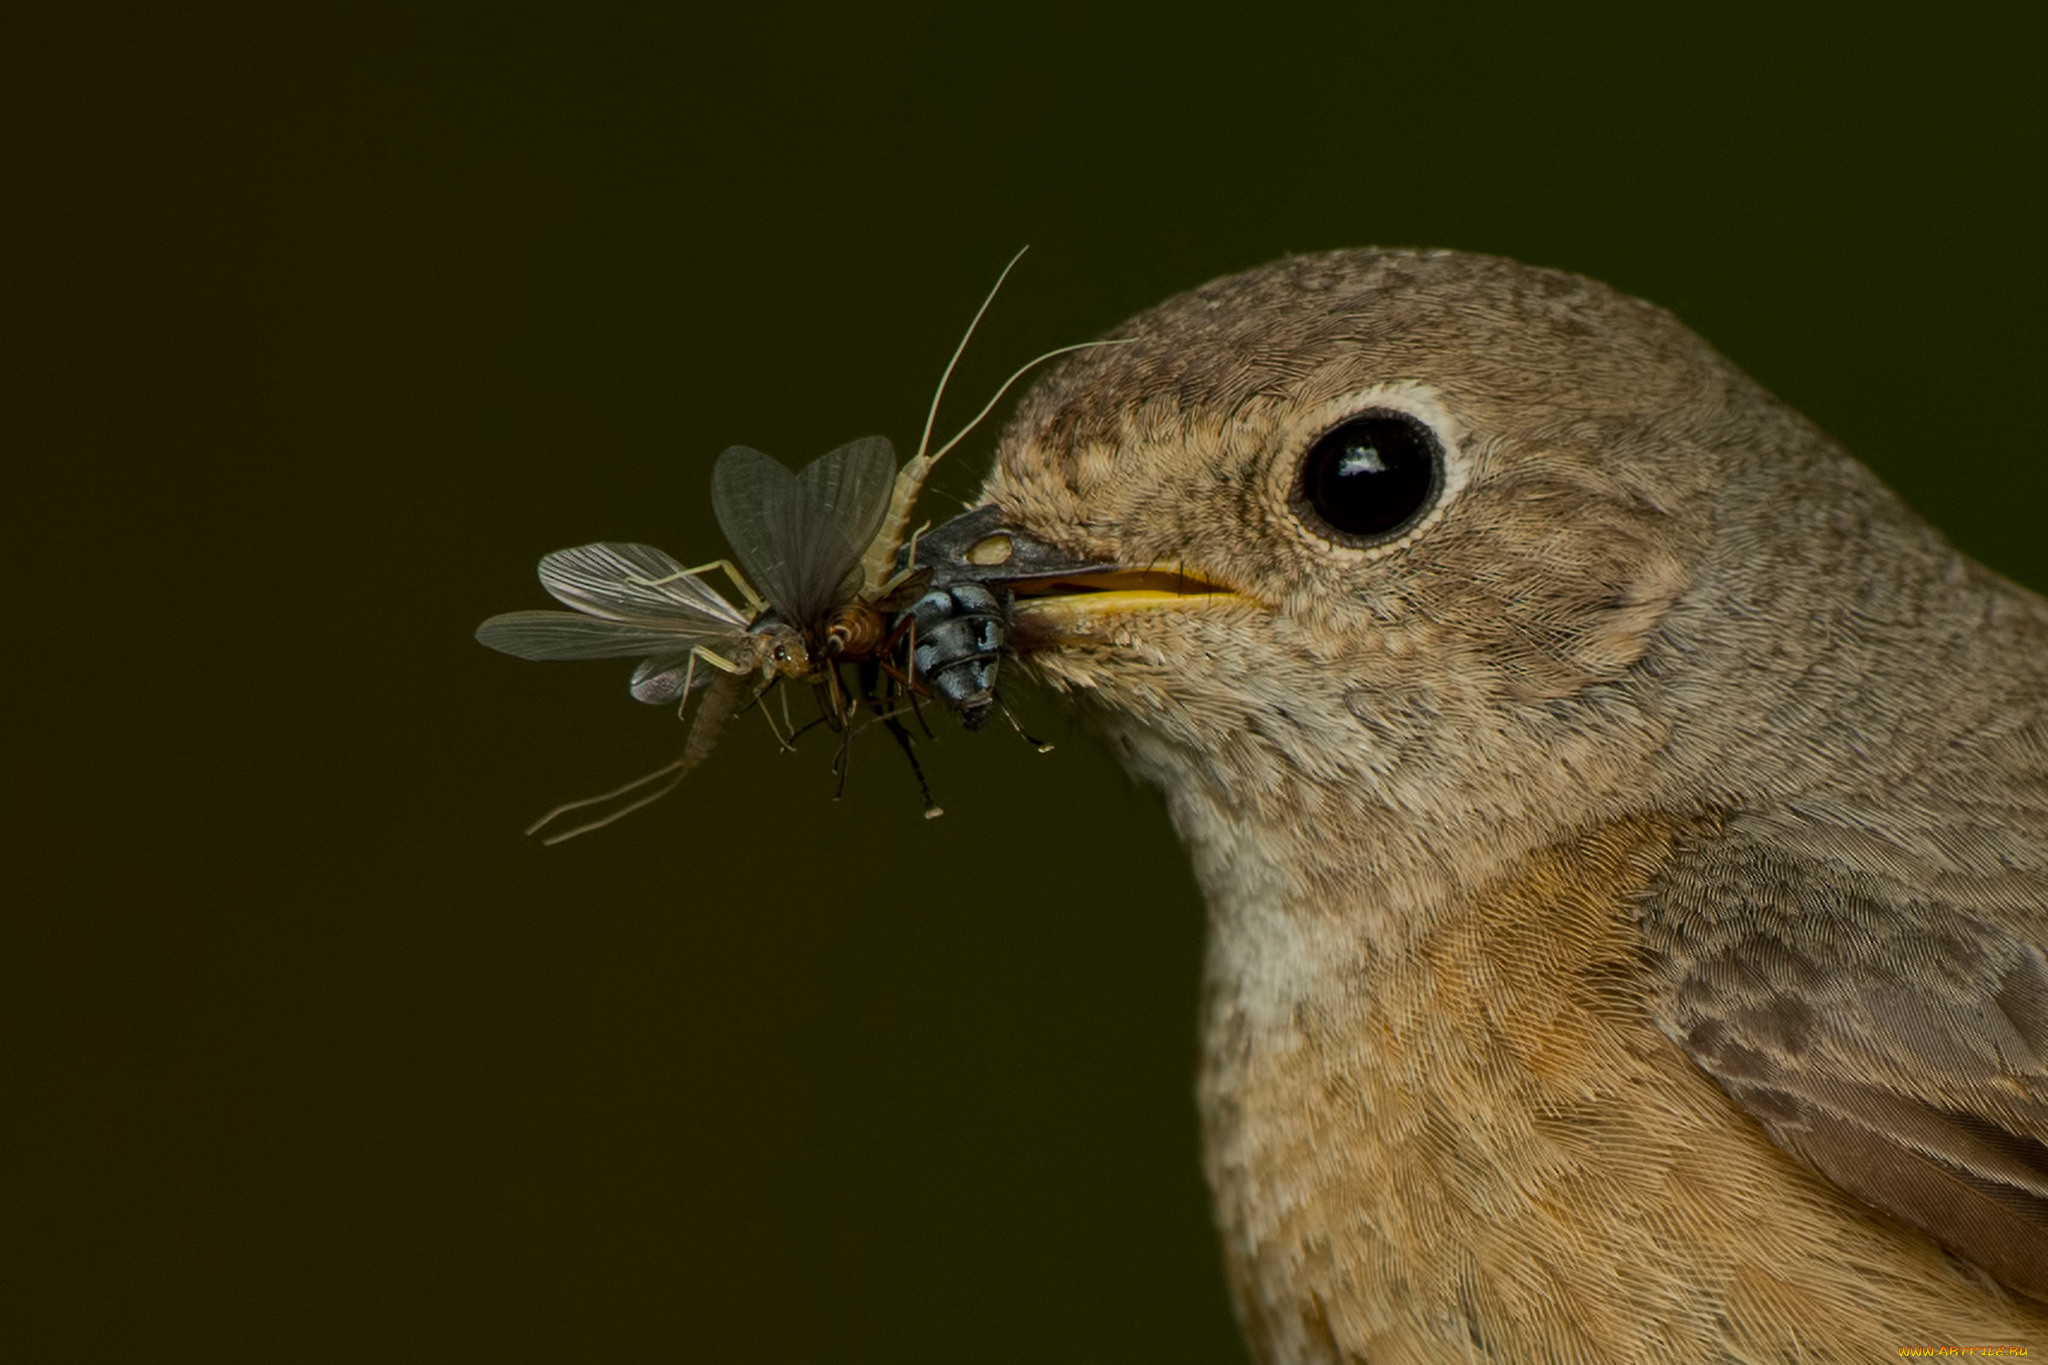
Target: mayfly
x,y
818,579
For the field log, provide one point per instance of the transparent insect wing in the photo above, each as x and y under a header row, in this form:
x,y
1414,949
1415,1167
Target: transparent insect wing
x,y
793,534
631,600
854,484
762,512
664,678
637,583
569,635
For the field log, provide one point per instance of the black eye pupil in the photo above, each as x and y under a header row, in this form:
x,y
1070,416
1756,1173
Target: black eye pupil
x,y
1369,478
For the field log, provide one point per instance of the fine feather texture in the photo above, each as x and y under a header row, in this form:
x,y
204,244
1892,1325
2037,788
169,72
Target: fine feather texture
x,y
1876,1025
1628,888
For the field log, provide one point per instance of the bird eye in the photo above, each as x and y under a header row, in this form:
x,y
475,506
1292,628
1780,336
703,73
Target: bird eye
x,y
1369,479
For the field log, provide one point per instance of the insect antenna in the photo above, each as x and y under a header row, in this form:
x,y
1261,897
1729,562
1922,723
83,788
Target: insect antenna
x,y
1018,374
881,555
931,417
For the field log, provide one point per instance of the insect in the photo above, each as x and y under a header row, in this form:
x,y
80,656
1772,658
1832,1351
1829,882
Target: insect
x,y
827,575
963,616
799,536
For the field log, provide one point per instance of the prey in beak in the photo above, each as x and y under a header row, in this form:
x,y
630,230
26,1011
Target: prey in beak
x,y
1046,597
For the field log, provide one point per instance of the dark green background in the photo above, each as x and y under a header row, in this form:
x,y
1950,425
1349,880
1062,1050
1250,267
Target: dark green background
x,y
324,324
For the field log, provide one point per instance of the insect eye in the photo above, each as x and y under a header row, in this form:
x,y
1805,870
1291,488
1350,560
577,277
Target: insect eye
x,y
1369,479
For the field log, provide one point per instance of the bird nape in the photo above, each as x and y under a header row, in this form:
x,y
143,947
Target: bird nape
x,y
1624,823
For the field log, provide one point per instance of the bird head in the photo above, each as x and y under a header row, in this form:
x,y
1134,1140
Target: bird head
x,y
1405,553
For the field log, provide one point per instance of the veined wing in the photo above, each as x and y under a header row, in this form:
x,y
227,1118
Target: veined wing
x,y
853,484
637,583
571,635
801,536
665,677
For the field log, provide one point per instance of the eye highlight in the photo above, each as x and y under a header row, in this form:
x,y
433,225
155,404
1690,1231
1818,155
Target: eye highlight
x,y
1368,479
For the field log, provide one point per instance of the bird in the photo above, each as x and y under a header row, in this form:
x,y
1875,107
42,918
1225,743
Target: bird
x,y
1622,822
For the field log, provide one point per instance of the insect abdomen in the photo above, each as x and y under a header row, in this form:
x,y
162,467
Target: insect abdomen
x,y
959,644
855,631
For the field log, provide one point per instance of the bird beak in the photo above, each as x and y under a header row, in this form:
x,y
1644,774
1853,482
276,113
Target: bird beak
x,y
1061,599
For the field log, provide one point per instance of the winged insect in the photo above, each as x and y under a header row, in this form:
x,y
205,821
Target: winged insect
x,y
826,577
799,536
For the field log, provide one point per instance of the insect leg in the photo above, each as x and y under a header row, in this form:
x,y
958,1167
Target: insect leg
x,y
1022,370
911,693
892,721
689,681
754,600
904,627
847,710
710,656
932,810
804,729
1037,744
716,660
841,761
869,673
784,744
843,704
906,633
910,566
917,710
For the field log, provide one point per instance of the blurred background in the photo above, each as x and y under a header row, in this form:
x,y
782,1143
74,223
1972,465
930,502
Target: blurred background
x,y
325,323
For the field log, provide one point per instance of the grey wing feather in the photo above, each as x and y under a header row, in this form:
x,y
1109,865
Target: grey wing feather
x,y
1885,1022
636,583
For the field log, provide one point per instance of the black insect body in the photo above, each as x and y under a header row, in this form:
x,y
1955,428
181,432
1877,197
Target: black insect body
x,y
963,619
960,633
